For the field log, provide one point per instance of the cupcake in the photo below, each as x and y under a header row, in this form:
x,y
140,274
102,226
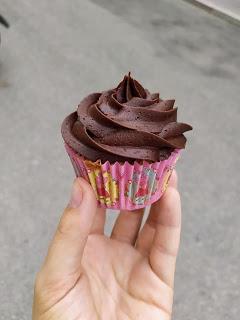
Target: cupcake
x,y
125,142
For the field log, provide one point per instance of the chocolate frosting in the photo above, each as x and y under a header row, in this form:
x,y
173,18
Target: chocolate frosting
x,y
126,123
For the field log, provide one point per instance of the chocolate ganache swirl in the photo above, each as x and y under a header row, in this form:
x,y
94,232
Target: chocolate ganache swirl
x,y
126,123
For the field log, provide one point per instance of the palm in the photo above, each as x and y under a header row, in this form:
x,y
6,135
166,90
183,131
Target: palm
x,y
124,280
127,276
117,283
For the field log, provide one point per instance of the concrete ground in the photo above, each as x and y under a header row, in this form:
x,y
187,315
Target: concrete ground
x,y
55,53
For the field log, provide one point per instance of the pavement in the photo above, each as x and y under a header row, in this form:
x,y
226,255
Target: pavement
x,y
55,53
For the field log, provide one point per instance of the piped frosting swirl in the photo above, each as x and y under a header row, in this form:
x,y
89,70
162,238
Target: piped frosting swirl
x,y
126,123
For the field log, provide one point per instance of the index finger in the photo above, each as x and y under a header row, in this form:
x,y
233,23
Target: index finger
x,y
163,253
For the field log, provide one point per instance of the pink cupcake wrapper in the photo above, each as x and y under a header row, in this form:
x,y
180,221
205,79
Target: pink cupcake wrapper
x,y
124,185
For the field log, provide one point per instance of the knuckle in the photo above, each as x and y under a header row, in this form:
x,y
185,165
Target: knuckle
x,y
91,196
65,224
39,281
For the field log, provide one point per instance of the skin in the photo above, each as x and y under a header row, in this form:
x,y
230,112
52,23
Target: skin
x,y
130,275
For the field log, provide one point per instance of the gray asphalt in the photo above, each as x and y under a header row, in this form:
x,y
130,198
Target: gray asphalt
x,y
55,53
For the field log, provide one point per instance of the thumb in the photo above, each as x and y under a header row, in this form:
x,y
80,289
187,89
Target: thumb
x,y
66,250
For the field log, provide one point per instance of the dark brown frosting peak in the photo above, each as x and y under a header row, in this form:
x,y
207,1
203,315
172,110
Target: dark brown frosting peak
x,y
125,124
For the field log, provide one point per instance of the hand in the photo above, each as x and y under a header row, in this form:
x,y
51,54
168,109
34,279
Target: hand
x,y
88,276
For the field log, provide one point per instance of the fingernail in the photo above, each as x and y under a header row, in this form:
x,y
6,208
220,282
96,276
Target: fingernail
x,y
76,195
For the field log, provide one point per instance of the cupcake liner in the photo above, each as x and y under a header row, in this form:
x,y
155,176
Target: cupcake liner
x,y
124,185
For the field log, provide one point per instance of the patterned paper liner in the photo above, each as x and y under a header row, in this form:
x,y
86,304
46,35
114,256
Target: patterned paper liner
x,y
123,185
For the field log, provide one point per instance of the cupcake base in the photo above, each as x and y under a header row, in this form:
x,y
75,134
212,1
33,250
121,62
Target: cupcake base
x,y
123,185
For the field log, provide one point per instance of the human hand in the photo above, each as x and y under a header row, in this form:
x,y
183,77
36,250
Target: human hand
x,y
87,275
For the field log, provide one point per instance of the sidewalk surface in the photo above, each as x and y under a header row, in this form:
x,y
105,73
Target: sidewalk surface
x,y
55,53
